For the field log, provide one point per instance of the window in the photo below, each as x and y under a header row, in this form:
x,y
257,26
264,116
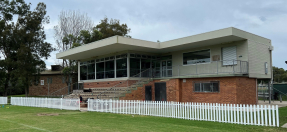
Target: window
x,y
121,65
110,69
202,56
63,80
135,66
100,70
91,71
206,87
42,82
49,80
83,72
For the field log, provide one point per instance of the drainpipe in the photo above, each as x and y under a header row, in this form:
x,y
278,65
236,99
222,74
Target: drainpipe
x,y
257,92
271,70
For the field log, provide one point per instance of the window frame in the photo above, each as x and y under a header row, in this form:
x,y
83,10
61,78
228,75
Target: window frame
x,y
197,63
201,90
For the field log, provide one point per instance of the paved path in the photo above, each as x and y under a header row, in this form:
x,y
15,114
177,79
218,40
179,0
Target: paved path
x,y
84,109
283,104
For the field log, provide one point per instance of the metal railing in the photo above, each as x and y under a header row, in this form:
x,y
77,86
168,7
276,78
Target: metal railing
x,y
209,68
68,89
144,75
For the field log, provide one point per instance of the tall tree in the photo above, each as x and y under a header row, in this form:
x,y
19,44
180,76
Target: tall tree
x,y
112,27
23,42
279,75
70,23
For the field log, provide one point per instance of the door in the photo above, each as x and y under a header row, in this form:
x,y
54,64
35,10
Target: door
x,y
148,93
166,66
160,91
163,67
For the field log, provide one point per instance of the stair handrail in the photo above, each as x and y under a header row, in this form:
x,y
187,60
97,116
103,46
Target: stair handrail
x,y
129,88
66,87
280,91
100,94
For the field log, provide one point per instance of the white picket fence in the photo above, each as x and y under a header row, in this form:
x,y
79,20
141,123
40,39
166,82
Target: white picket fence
x,y
3,100
227,113
57,103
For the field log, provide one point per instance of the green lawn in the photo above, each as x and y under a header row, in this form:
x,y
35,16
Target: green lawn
x,y
17,118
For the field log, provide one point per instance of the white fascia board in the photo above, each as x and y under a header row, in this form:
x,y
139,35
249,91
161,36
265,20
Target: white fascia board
x,y
83,48
197,38
250,36
138,42
115,40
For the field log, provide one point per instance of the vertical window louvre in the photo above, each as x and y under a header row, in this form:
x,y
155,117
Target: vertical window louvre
x,y
229,56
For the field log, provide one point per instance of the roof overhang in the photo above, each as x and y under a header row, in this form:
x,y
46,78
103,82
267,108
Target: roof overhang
x,y
118,44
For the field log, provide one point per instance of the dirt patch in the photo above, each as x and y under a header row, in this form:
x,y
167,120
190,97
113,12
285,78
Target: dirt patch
x,y
47,114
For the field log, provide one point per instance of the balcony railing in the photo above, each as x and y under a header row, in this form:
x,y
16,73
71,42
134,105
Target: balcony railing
x,y
211,68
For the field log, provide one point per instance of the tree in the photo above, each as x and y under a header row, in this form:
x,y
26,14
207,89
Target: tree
x,y
22,42
106,28
279,75
70,23
112,27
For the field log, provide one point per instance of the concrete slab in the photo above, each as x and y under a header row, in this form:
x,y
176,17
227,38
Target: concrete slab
x,y
283,104
85,109
284,126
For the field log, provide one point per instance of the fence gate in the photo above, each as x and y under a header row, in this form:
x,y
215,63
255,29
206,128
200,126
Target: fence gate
x,y
160,91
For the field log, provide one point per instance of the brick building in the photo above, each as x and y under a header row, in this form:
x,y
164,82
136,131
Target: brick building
x,y
50,81
220,66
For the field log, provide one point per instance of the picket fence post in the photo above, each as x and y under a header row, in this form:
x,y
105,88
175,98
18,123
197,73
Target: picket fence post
x,y
277,115
61,103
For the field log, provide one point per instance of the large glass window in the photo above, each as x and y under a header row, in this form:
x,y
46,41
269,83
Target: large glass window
x,y
156,68
110,69
121,67
202,56
83,72
145,64
91,71
206,87
134,66
100,74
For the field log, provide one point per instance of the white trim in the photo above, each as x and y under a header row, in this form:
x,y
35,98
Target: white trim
x,y
128,65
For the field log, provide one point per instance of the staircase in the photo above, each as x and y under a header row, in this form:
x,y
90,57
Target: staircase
x,y
114,92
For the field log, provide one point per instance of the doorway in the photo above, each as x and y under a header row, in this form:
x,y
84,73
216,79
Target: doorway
x,y
166,66
160,91
148,96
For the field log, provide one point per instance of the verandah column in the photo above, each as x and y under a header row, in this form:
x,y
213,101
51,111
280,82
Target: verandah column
x,y
128,65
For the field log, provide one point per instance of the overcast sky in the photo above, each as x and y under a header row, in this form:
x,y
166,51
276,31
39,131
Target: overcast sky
x,y
170,19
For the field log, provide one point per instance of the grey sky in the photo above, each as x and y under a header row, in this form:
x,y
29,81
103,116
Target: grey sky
x,y
170,19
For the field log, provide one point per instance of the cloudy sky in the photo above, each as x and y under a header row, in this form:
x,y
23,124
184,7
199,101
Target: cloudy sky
x,y
170,19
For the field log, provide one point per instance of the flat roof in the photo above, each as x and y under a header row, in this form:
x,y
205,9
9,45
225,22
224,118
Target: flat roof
x,y
118,43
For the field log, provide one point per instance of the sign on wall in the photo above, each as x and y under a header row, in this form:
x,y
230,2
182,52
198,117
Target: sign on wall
x,y
42,82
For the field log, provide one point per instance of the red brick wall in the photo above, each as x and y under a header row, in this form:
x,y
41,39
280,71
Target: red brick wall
x,y
233,90
42,90
124,83
172,91
246,91
226,94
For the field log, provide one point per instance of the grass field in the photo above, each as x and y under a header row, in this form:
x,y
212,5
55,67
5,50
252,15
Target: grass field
x,y
27,119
